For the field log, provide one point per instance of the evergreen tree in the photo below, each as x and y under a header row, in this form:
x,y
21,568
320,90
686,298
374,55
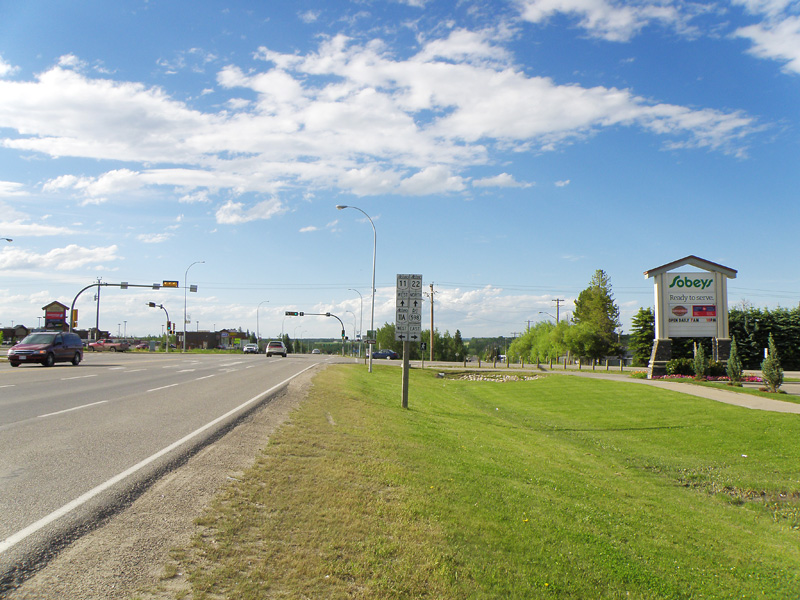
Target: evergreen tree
x,y
598,315
700,363
771,370
734,367
643,332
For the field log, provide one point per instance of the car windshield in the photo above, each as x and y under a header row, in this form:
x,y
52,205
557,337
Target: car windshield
x,y
38,338
275,344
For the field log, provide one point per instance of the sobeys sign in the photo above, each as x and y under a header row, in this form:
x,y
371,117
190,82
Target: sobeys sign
x,y
683,281
691,302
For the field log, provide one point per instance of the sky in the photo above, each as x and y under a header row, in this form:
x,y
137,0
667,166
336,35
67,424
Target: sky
x,y
504,149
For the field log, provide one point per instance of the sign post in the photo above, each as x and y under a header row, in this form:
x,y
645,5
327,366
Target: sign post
x,y
690,304
408,320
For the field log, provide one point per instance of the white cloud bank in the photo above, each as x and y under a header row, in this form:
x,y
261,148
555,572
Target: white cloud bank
x,y
348,115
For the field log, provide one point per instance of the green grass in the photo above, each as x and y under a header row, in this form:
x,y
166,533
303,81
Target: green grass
x,y
563,487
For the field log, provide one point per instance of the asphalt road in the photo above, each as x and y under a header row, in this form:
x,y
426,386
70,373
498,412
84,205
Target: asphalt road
x,y
78,443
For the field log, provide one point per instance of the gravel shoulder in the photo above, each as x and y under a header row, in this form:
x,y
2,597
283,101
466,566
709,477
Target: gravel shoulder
x,y
127,554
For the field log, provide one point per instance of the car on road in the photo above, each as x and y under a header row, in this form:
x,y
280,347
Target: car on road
x,y
315,351
387,354
276,347
250,349
110,345
47,348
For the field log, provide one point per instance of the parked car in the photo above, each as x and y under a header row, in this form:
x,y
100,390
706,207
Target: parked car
x,y
142,346
276,347
388,354
250,349
315,351
47,348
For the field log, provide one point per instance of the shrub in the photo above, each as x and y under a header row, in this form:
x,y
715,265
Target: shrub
x,y
680,366
734,367
771,368
639,375
716,369
700,363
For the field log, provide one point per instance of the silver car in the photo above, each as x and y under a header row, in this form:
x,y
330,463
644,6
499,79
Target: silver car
x,y
276,347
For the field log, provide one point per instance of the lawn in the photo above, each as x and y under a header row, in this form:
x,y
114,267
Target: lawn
x,y
559,487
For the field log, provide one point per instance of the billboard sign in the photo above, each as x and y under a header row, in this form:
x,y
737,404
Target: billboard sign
x,y
691,302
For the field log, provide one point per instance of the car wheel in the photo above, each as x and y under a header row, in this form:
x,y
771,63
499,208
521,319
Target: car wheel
x,y
269,354
49,360
76,360
113,349
14,364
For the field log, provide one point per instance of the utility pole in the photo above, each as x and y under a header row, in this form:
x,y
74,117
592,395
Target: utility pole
x,y
431,295
558,302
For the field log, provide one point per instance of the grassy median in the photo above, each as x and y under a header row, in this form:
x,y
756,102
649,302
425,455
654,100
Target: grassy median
x,y
560,487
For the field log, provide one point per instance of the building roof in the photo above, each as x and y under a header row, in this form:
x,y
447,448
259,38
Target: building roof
x,y
694,261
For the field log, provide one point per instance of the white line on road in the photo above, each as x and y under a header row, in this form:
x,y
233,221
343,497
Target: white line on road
x,y
204,377
187,371
79,501
163,387
77,377
5,386
61,412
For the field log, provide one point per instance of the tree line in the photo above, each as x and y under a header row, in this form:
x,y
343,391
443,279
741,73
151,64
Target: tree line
x,y
751,328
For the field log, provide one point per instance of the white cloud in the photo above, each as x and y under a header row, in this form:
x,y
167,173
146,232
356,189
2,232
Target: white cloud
x,y
776,40
12,188
234,213
309,16
562,183
613,21
18,225
350,115
60,259
154,238
502,180
308,229
6,69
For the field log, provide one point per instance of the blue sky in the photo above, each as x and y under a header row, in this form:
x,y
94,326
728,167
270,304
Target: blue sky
x,y
505,150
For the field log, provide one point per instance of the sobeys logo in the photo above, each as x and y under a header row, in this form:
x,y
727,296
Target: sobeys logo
x,y
685,282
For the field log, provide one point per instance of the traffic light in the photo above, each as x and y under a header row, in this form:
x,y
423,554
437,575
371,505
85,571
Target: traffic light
x,y
292,313
74,320
169,326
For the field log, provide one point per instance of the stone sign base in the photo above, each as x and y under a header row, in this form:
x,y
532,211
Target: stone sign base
x,y
659,357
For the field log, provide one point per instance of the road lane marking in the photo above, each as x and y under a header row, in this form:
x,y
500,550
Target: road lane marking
x,y
187,371
61,412
17,537
77,377
163,387
11,385
205,377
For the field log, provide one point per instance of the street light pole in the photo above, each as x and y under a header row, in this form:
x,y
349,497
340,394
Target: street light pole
x,y
185,277
374,248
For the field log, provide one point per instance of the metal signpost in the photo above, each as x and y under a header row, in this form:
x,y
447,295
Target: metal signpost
x,y
408,320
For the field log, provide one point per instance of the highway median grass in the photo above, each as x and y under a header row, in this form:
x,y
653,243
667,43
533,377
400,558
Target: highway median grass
x,y
558,487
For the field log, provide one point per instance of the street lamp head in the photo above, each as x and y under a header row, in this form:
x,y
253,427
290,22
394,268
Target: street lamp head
x,y
10,240
338,207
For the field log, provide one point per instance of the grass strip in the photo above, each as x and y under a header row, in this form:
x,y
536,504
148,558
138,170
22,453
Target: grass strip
x,y
561,487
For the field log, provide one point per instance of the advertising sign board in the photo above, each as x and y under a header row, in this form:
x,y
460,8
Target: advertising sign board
x,y
691,302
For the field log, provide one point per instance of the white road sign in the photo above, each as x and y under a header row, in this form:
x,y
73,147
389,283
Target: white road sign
x,y
408,304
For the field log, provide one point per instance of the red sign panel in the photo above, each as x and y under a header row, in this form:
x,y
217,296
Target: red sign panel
x,y
706,310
